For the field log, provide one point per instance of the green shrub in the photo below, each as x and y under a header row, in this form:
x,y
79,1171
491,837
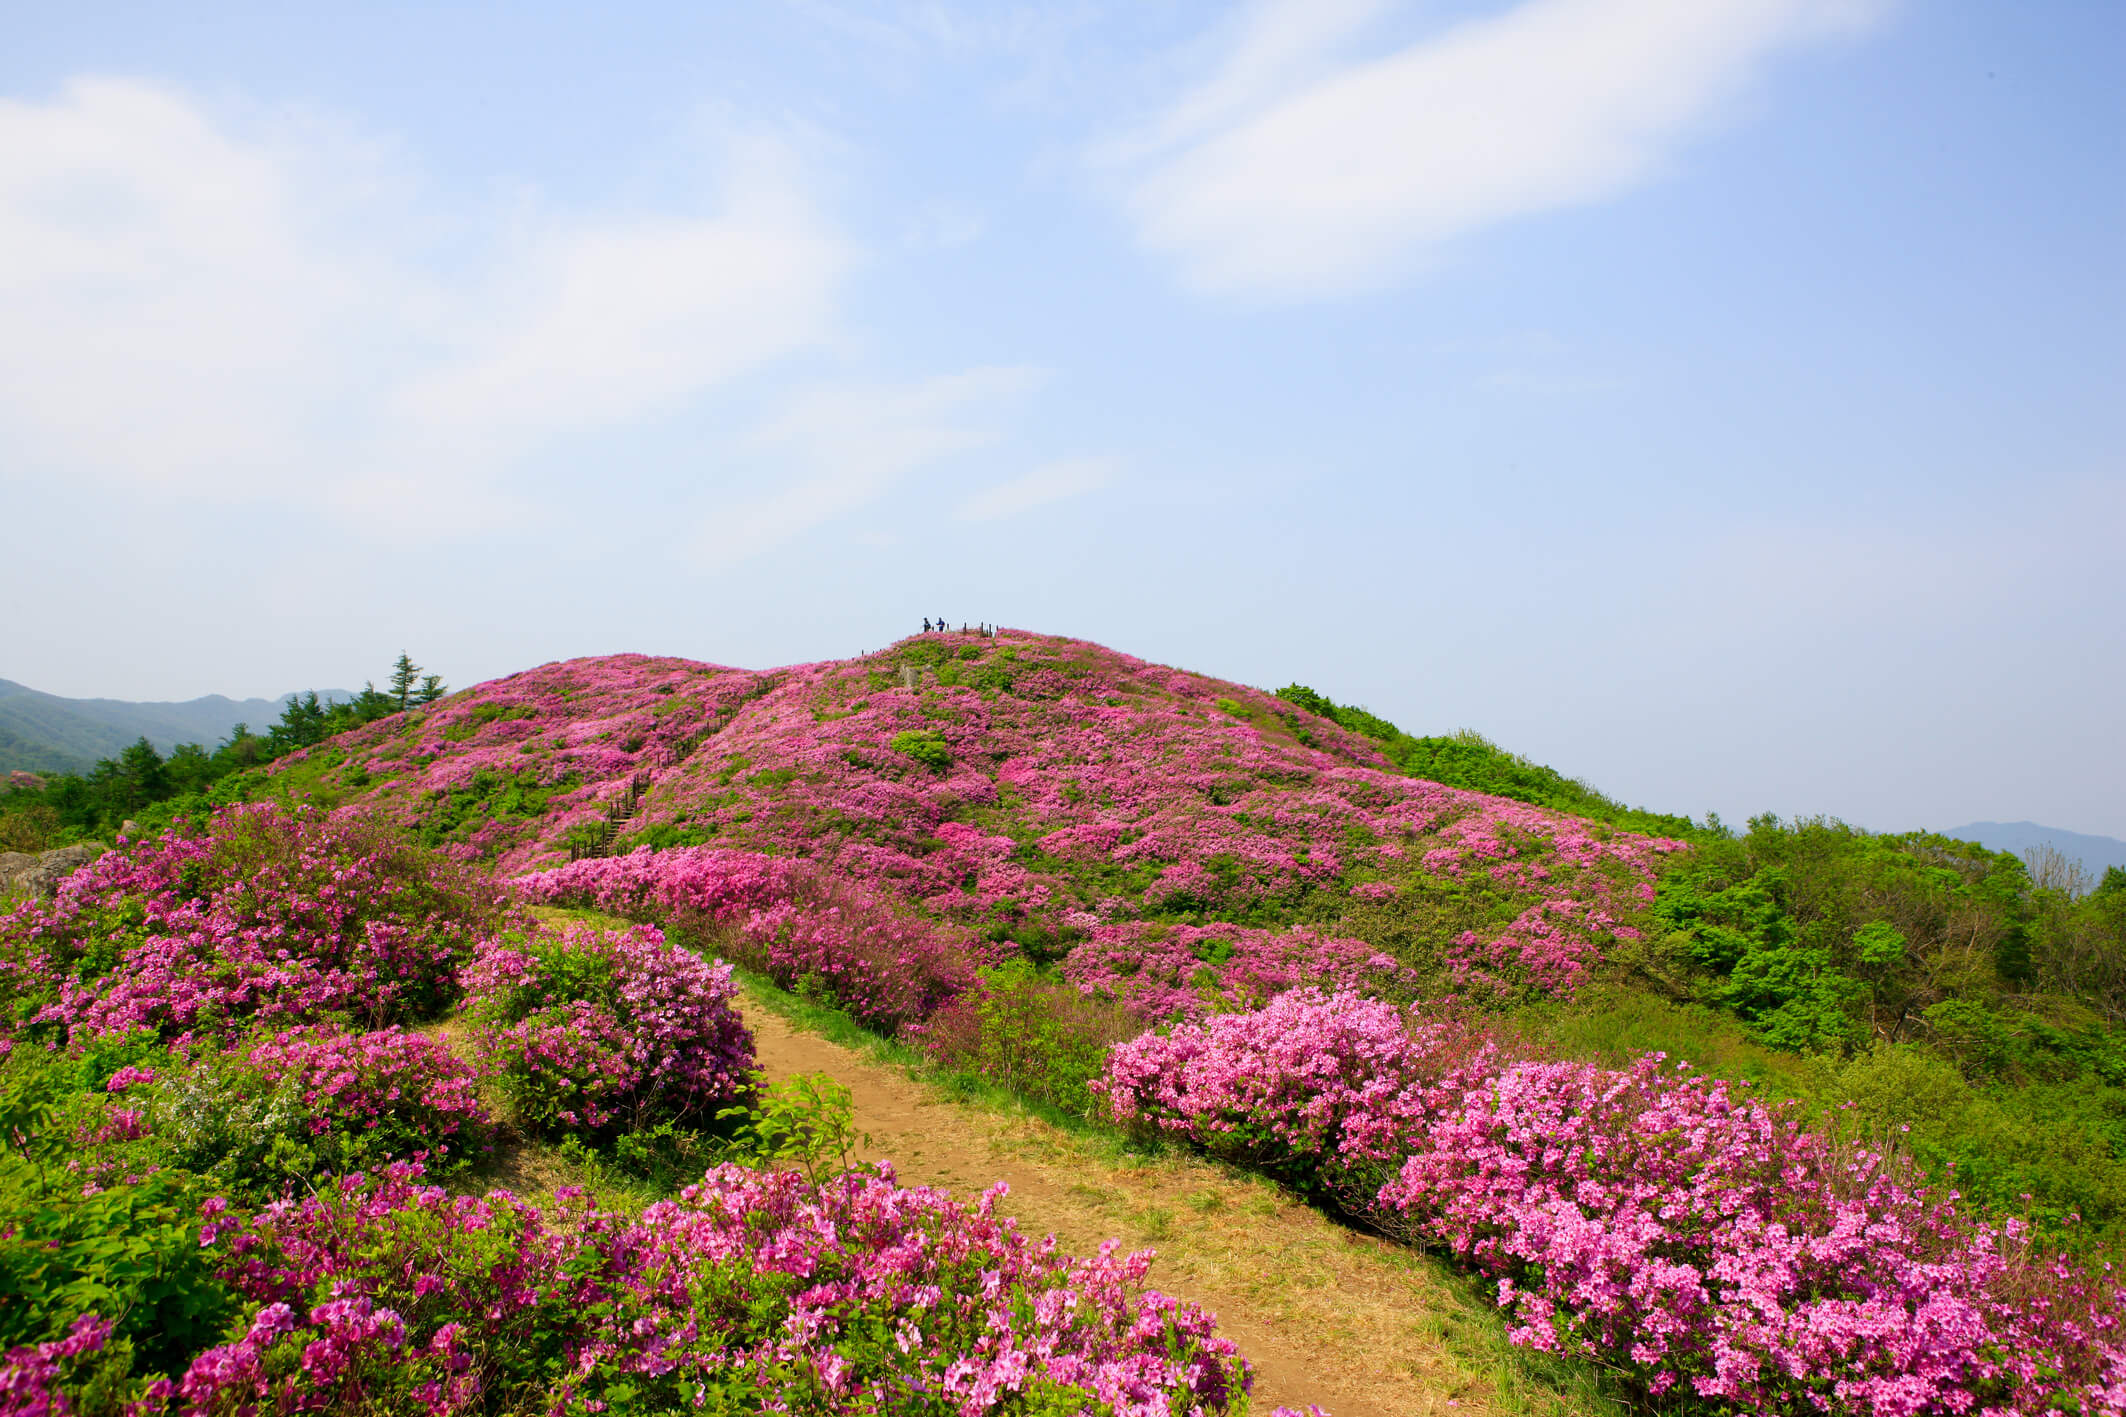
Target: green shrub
x,y
1030,1035
805,1122
926,745
128,1251
1469,760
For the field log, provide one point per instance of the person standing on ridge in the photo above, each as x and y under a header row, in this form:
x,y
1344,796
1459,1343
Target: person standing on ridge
x,y
926,624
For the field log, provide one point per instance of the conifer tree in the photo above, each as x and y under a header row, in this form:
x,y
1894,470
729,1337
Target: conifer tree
x,y
432,688
404,675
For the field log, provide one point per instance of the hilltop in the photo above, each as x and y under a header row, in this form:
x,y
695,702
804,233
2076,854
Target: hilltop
x,y
1035,788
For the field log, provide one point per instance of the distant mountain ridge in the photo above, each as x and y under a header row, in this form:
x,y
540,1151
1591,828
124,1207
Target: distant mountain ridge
x,y
2094,852
42,732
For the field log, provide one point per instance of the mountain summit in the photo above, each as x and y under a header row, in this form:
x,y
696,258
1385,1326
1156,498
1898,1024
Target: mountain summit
x,y
1023,784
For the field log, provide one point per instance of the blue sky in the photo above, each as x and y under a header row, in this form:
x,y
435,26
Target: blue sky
x,y
1717,399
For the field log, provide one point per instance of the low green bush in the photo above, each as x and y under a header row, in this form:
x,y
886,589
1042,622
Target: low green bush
x,y
128,1249
926,745
1029,1034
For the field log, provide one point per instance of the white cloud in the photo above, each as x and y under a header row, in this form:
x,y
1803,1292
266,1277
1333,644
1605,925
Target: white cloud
x,y
944,224
1274,47
828,452
1051,482
1294,173
193,309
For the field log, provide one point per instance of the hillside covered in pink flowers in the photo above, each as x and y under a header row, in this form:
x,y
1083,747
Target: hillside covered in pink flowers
x,y
1025,787
275,1044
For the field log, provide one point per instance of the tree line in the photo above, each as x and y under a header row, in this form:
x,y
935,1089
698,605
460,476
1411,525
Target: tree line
x,y
74,806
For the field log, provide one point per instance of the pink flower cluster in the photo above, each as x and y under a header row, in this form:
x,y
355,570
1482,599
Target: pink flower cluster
x,y
588,1028
1326,1088
1052,777
1162,972
259,912
854,1295
350,1098
1699,1241
785,918
403,1083
32,1377
1550,946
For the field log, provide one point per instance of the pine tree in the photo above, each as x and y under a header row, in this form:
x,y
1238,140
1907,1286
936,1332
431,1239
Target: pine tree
x,y
141,777
404,675
432,688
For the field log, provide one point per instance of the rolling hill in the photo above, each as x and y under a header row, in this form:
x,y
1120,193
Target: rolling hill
x,y
42,732
1030,787
2096,853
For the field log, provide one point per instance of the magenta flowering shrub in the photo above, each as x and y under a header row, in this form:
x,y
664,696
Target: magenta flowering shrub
x,y
315,1099
784,918
1161,972
275,1109
35,1376
593,1029
256,913
1707,1245
389,1078
1324,1089
1715,1246
751,1291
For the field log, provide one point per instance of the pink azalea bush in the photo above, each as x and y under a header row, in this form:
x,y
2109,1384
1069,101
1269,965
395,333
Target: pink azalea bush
x,y
388,1078
1161,972
784,918
35,1376
256,913
591,1029
753,1291
1671,1227
320,1099
1324,1089
275,1109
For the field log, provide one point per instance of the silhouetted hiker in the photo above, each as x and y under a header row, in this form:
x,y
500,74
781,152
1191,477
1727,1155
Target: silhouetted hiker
x,y
926,625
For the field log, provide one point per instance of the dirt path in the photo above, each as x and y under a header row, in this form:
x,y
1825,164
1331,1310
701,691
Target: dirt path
x,y
1360,1326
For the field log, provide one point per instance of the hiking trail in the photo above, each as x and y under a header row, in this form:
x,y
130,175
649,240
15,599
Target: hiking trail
x,y
1326,1314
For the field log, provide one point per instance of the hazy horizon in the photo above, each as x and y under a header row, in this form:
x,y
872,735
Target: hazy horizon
x,y
1716,401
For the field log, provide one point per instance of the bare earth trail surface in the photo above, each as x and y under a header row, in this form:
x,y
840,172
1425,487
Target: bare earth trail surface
x,y
1328,1316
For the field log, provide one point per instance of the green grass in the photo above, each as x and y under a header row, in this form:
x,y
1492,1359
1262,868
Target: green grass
x,y
1616,1027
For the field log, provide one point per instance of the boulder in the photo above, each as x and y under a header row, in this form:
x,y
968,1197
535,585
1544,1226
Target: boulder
x,y
48,869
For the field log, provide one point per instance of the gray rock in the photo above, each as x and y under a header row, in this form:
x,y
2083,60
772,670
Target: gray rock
x,y
56,865
14,864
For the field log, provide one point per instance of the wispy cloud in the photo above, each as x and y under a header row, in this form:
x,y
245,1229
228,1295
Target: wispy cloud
x,y
191,308
1051,482
829,452
1297,170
